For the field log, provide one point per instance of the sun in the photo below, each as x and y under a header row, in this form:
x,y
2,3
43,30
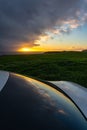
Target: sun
x,y
24,49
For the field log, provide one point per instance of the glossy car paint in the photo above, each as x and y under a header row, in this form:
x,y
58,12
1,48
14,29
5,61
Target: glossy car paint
x,y
3,78
27,104
76,92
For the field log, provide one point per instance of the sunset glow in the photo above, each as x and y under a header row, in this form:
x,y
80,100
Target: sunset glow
x,y
25,49
61,27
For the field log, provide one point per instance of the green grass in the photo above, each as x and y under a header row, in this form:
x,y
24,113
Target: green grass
x,y
70,66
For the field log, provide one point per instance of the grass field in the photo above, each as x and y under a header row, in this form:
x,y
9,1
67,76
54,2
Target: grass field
x,y
70,66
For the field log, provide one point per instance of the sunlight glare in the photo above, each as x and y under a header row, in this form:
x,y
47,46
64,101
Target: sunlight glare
x,y
25,49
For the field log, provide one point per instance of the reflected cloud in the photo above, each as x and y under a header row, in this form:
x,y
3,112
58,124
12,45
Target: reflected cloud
x,y
61,111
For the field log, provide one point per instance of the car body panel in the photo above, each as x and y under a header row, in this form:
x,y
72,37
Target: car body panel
x,y
76,92
27,104
3,78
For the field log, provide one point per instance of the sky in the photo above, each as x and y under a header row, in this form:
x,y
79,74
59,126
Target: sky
x,y
43,25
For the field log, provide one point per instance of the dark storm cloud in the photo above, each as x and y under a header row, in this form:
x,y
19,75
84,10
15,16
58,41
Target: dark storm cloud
x,y
24,21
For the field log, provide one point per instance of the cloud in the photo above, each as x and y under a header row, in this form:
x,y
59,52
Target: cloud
x,y
26,21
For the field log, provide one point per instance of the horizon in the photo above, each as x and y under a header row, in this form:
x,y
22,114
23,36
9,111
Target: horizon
x,y
37,52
